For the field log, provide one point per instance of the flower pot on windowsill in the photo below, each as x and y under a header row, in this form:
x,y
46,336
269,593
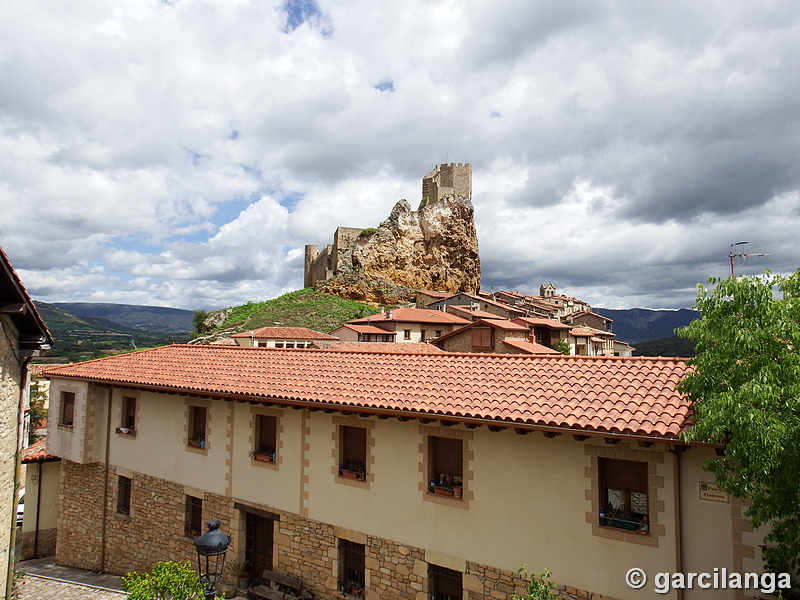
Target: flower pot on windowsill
x,y
263,456
443,491
352,475
197,443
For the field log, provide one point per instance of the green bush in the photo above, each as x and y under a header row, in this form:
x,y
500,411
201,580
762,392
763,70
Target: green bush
x,y
367,231
562,345
167,581
538,586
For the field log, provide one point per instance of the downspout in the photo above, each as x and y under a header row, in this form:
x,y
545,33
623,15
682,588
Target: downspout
x,y
676,476
12,545
38,504
105,487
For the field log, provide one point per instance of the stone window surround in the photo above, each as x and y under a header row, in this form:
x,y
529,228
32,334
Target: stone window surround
x,y
656,485
268,412
427,431
59,409
190,402
336,453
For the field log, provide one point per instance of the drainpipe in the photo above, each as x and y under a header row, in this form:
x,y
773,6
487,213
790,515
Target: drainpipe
x,y
38,504
105,487
676,476
17,468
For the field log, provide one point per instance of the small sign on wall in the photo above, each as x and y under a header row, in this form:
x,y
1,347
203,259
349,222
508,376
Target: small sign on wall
x,y
709,491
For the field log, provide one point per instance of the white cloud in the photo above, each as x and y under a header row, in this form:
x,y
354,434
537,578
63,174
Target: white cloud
x,y
183,153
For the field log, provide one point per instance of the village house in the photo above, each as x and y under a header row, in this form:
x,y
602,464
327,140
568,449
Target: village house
x,y
493,336
280,337
23,335
587,341
410,324
393,475
476,302
544,331
39,523
364,333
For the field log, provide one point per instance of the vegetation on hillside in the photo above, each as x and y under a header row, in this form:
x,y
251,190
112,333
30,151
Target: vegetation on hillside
x,y
303,308
671,346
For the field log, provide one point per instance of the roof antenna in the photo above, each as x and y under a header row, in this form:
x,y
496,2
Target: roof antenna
x,y
738,255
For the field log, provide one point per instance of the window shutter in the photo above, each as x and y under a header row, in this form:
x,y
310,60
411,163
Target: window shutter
x,y
625,475
482,337
355,444
447,456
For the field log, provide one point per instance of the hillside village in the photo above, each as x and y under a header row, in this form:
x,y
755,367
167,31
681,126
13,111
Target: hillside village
x,y
421,450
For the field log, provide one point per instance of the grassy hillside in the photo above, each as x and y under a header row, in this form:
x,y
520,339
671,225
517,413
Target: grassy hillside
x,y
92,337
671,346
303,308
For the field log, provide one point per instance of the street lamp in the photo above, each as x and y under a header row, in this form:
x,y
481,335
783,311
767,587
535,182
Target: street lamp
x,y
211,548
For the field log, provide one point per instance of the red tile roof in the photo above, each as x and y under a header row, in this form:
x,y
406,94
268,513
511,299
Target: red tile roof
x,y
541,323
392,347
530,347
583,331
366,329
466,312
613,395
412,315
435,293
36,453
285,333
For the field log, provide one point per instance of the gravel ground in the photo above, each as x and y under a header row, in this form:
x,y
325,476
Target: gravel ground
x,y
38,588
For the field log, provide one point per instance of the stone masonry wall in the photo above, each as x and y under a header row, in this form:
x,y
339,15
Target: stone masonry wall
x,y
303,548
10,372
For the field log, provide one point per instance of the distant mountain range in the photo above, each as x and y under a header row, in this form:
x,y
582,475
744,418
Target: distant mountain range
x,y
151,318
635,325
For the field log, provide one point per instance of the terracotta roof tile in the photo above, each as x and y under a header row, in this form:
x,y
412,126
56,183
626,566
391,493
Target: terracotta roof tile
x,y
555,391
466,312
552,324
36,452
530,347
413,315
366,329
583,331
390,347
285,333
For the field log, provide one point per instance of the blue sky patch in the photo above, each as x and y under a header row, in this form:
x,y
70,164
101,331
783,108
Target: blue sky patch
x,y
234,135
305,11
385,86
290,200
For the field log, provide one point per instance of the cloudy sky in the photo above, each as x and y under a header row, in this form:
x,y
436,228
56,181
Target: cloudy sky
x,y
182,152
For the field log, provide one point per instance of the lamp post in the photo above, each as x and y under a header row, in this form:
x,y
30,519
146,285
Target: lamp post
x,y
211,548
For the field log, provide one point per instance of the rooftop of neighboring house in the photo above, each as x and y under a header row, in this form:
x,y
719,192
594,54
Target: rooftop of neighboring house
x,y
34,338
583,313
405,348
530,347
466,312
583,331
477,298
411,315
435,293
37,453
618,396
495,323
534,322
365,329
284,333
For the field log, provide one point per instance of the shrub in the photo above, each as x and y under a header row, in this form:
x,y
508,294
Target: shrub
x,y
167,581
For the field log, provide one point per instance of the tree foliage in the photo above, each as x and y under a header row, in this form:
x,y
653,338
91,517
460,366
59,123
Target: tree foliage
x,y
167,581
562,345
537,586
745,386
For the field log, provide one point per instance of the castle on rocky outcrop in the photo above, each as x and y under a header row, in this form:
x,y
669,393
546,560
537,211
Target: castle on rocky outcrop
x,y
434,247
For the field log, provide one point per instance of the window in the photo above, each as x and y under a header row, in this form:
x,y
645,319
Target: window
x,y
279,344
353,459
422,335
482,337
437,332
265,435
446,466
406,334
623,500
194,516
128,421
67,408
261,344
351,568
445,584
290,344
124,495
197,426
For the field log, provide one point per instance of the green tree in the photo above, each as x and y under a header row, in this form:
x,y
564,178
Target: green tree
x,y
167,581
537,586
199,319
745,386
562,345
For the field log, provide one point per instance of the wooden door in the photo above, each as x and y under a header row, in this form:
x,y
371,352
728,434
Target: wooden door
x,y
258,547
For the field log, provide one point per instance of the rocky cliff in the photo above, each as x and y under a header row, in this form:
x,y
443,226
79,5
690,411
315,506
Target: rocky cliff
x,y
434,247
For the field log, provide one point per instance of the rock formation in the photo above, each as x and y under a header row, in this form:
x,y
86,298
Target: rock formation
x,y
434,247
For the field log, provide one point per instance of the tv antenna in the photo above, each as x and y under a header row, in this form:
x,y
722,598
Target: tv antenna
x,y
739,255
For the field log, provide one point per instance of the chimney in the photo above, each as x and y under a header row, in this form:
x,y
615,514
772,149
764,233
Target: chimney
x,y
388,314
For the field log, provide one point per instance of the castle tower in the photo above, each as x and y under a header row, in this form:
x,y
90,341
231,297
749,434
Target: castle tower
x,y
312,252
448,180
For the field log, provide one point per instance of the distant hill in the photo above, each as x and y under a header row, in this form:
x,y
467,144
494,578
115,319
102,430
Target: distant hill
x,y
303,308
151,318
671,346
79,338
636,325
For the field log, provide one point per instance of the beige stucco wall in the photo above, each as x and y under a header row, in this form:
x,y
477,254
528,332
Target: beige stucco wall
x,y
527,498
48,510
10,372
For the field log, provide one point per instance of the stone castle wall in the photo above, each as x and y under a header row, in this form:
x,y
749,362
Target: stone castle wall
x,y
303,548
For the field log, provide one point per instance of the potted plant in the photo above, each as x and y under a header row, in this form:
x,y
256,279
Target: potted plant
x,y
197,441
241,572
263,454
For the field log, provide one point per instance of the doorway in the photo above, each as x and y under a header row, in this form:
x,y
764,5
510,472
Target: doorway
x,y
258,545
